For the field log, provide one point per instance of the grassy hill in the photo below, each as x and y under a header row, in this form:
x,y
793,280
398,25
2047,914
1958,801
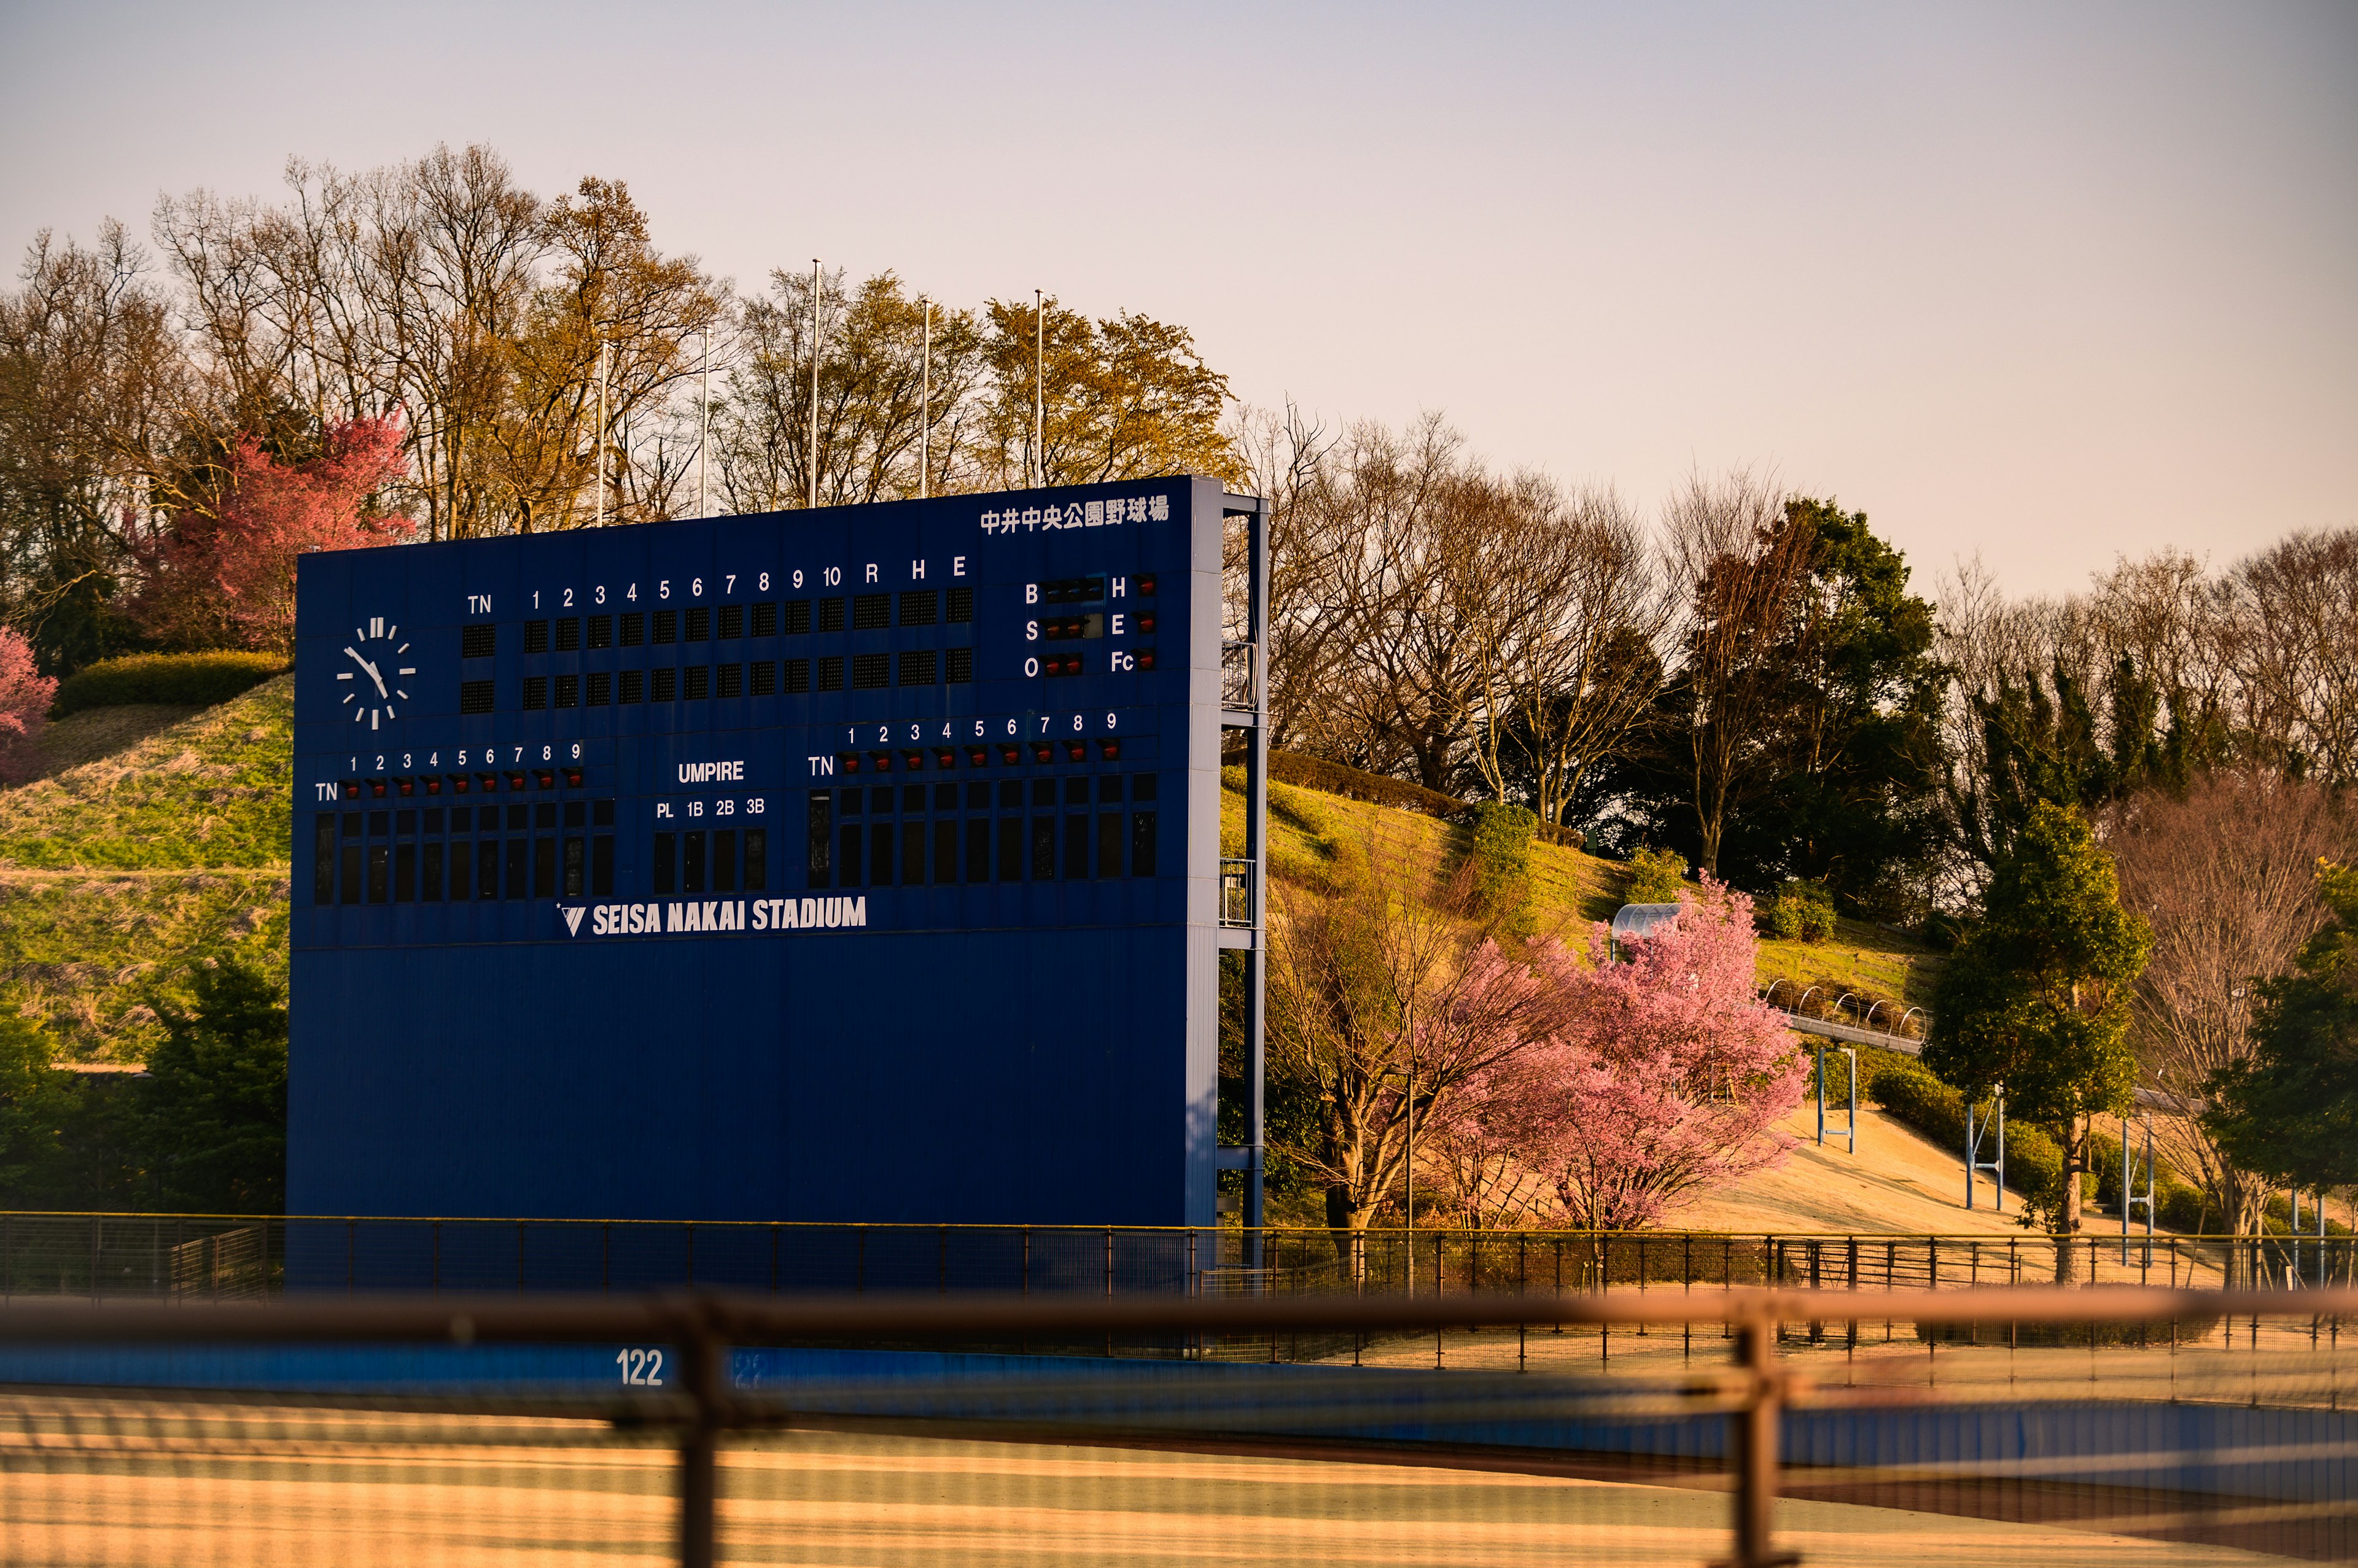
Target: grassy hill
x,y
1571,888
118,872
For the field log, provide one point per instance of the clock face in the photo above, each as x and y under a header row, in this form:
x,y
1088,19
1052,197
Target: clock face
x,y
374,680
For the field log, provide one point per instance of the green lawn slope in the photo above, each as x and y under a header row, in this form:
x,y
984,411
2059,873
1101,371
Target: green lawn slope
x,y
1570,889
118,873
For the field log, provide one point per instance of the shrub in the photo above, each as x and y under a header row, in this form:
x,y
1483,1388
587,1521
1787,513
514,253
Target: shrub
x,y
184,679
1657,875
1335,778
2034,1165
2052,1335
1501,853
2183,1208
2275,1217
1802,911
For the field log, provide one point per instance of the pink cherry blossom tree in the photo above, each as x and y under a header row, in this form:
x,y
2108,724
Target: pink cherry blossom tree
x,y
24,697
278,513
1665,1074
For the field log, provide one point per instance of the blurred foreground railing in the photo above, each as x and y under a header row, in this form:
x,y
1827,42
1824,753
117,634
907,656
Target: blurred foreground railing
x,y
2272,1462
226,1257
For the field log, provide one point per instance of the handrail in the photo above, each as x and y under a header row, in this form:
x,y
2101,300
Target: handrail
x,y
730,1316
700,1327
1238,661
1237,879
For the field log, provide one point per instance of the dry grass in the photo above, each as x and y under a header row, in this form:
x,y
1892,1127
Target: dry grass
x,y
97,732
210,791
168,844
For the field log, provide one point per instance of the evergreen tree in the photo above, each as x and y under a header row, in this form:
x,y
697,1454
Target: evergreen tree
x,y
2037,998
1838,775
2290,1113
215,1113
2043,743
1852,796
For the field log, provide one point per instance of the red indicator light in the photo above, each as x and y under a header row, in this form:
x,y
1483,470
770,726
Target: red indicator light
x,y
1044,752
1145,658
546,778
979,756
912,761
573,778
376,789
847,761
1109,750
433,783
1011,755
407,786
1146,622
516,780
945,758
488,783
1146,586
1076,751
881,761
352,789
457,783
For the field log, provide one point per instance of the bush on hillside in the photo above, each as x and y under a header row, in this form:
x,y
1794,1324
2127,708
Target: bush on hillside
x,y
2184,1208
194,680
1802,911
1502,862
1334,778
2034,1165
2056,1335
1657,875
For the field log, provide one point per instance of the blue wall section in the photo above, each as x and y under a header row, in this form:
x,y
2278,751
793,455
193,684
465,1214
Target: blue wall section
x,y
1039,1049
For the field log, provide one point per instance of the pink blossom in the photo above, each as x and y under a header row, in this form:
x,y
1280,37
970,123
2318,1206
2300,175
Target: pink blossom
x,y
24,697
1664,1074
279,512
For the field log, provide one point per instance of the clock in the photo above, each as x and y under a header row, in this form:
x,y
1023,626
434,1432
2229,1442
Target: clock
x,y
378,680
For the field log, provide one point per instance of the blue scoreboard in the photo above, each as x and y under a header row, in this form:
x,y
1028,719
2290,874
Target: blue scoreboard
x,y
856,864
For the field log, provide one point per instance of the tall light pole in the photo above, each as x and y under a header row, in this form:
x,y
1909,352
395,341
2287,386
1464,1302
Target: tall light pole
x,y
598,438
811,458
1408,1167
926,403
704,434
1039,399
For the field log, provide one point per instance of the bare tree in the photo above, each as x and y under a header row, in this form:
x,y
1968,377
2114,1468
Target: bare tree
x,y
871,402
96,403
2294,609
1383,1005
2227,878
1739,566
1575,671
1403,699
1311,627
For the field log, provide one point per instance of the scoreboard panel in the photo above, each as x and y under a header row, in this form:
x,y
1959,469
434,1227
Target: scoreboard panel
x,y
855,864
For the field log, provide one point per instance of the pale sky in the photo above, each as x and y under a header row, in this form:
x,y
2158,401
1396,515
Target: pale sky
x,y
2049,283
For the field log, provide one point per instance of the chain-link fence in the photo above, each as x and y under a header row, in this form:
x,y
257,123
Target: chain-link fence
x,y
228,1256
2065,1427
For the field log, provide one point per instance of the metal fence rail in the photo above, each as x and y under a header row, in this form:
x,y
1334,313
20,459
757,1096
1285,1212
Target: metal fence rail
x,y
184,1256
2277,1466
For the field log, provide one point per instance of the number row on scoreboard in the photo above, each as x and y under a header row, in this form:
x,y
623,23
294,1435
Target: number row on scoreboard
x,y
957,731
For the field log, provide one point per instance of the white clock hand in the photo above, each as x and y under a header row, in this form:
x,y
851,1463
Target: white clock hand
x,y
370,668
